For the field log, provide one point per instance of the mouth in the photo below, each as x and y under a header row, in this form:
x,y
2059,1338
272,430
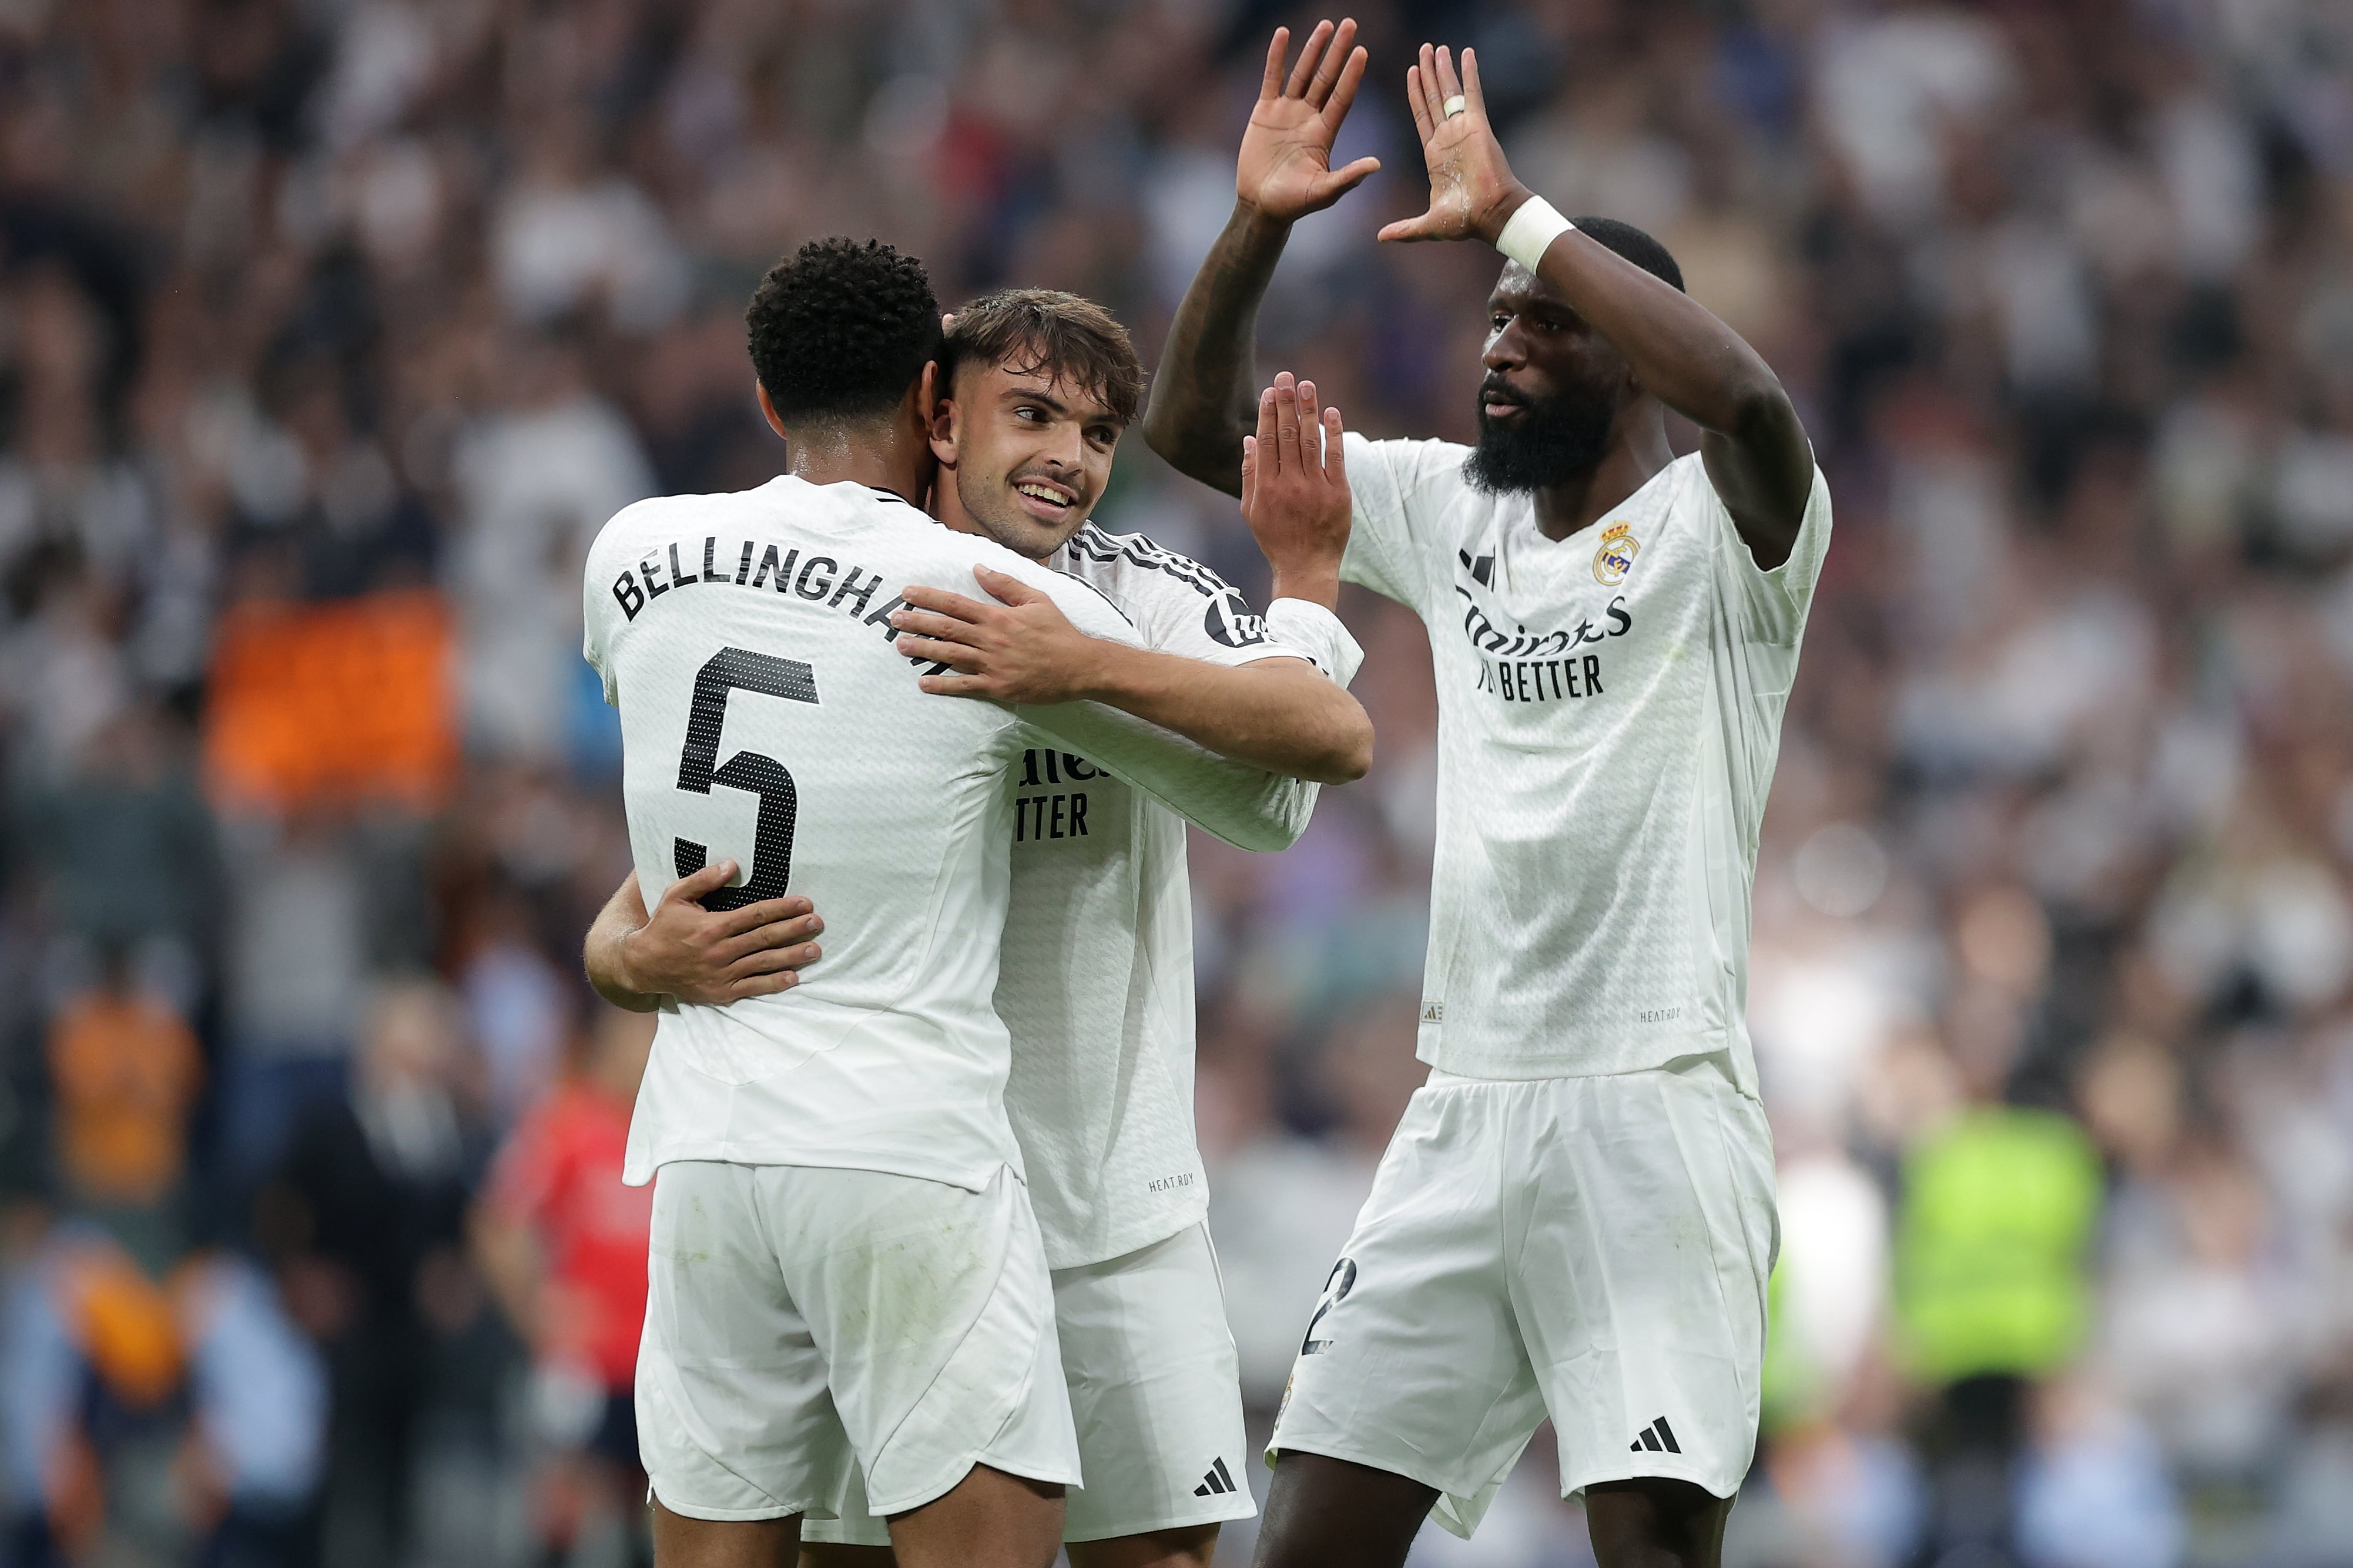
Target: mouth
x,y
1044,499
1498,404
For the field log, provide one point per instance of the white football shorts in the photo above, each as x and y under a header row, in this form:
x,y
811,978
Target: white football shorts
x,y
805,1323
1592,1248
1156,1390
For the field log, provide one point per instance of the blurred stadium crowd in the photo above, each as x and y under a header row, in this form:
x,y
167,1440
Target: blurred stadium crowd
x,y
332,329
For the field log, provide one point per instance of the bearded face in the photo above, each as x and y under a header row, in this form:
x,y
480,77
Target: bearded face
x,y
1528,443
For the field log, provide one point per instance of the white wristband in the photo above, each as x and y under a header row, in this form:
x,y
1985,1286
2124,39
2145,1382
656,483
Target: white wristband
x,y
1530,231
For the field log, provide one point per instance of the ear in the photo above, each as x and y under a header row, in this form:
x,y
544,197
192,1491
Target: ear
x,y
768,412
945,432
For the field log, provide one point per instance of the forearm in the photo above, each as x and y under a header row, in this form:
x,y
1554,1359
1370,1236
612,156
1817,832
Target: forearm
x,y
1677,348
1246,805
605,954
1283,715
1205,394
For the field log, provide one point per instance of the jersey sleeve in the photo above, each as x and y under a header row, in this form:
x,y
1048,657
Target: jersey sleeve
x,y
1393,492
606,603
1182,608
1319,634
1771,606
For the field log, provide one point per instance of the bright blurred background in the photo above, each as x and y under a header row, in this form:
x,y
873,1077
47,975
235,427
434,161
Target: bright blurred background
x,y
332,329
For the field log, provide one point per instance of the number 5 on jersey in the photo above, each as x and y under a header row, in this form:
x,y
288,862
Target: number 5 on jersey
x,y
740,670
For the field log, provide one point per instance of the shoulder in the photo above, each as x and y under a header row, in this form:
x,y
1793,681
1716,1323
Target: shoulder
x,y
1119,563
658,518
1412,467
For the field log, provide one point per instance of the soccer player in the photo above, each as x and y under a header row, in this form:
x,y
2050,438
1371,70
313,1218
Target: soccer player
x,y
846,1275
1096,982
1576,1215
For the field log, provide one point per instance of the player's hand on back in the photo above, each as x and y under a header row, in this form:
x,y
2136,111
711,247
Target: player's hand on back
x,y
1285,171
700,955
1295,492
1472,192
1021,649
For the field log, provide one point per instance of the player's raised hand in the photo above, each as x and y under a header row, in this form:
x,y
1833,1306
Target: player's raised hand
x,y
1285,170
714,957
1472,192
1019,650
1295,492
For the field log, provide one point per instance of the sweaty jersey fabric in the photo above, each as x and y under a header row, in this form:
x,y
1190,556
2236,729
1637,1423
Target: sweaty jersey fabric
x,y
767,716
1608,711
1097,979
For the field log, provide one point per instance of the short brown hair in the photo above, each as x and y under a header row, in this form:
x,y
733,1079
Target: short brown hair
x,y
1046,332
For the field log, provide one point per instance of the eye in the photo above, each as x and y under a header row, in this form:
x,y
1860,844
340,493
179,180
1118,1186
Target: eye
x,y
1031,411
1498,319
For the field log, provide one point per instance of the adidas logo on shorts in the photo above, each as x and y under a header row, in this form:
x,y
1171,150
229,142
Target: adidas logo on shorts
x,y
1657,1435
1218,1483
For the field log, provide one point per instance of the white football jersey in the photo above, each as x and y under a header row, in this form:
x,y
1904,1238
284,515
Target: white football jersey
x,y
767,716
1097,980
1609,710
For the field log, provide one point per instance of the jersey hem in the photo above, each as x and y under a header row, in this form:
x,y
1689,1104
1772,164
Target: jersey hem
x,y
1502,1068
972,1180
1192,1215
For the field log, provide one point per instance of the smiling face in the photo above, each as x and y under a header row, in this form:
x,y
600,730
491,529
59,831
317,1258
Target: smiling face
x,y
1552,393
1029,454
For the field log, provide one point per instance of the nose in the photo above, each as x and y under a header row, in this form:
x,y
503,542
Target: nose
x,y
1507,350
1064,449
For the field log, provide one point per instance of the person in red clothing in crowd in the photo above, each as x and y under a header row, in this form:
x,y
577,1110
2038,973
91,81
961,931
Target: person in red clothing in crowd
x,y
562,1244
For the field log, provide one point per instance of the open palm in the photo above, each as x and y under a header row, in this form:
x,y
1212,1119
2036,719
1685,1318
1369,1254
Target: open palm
x,y
1472,188
1285,170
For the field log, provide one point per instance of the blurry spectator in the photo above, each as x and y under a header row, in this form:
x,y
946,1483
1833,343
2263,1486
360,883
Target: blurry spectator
x,y
1993,1293
127,1068
363,1218
561,1244
295,976
125,846
535,481
111,1381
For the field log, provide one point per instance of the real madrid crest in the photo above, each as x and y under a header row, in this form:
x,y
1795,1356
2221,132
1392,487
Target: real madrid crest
x,y
1616,556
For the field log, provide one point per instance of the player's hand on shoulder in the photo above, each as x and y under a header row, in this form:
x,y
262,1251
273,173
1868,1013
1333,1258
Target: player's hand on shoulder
x,y
714,957
1020,649
1472,192
1295,490
1285,170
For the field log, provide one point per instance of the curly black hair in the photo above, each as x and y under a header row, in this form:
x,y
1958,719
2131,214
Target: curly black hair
x,y
840,327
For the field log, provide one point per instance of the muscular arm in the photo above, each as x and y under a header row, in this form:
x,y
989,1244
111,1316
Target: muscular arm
x,y
1751,440
1281,714
636,959
1755,449
1204,397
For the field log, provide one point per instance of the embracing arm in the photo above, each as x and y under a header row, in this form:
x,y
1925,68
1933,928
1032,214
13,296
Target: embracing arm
x,y
1280,714
1755,447
681,950
1205,395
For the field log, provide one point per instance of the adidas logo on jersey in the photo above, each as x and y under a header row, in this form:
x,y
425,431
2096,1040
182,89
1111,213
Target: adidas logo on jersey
x,y
1656,1436
1218,1483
